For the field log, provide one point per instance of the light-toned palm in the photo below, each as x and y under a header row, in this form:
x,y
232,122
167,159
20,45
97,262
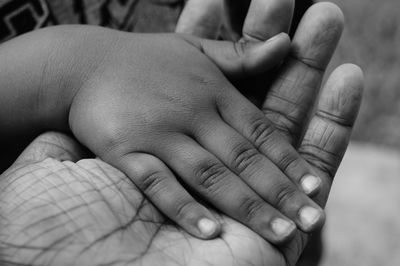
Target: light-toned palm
x,y
89,213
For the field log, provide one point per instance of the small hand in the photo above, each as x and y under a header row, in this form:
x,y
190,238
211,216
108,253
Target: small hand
x,y
163,96
58,210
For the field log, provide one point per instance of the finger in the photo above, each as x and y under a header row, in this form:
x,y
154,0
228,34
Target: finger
x,y
201,18
52,145
329,131
288,102
266,18
243,59
158,183
260,174
328,135
208,177
250,122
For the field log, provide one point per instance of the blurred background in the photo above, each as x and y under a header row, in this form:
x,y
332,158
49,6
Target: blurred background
x,y
363,225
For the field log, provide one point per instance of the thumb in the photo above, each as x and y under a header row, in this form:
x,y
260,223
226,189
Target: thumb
x,y
202,18
244,58
52,145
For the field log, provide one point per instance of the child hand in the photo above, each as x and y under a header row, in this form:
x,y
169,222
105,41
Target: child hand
x,y
162,95
165,96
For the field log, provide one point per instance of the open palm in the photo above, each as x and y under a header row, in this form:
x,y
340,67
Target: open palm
x,y
88,213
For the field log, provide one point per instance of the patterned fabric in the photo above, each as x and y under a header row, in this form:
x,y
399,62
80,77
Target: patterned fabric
x,y
20,16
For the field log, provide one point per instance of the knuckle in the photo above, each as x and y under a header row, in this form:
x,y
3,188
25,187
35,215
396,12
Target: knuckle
x,y
114,137
183,208
285,193
210,175
244,157
325,161
332,15
285,123
261,131
250,208
288,161
151,183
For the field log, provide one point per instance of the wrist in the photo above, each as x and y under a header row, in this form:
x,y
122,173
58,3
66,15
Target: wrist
x,y
40,72
77,52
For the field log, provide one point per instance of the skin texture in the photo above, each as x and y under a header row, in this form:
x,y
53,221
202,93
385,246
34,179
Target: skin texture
x,y
59,210
67,210
120,94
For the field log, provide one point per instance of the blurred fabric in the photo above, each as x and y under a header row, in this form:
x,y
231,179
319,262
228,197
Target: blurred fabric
x,y
20,16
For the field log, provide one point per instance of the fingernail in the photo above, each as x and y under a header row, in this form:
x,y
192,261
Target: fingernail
x,y
310,183
207,227
309,216
282,228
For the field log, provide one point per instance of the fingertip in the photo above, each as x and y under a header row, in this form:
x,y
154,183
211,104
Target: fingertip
x,y
328,12
347,79
342,93
208,228
245,58
283,230
199,222
318,34
311,184
311,218
352,79
350,71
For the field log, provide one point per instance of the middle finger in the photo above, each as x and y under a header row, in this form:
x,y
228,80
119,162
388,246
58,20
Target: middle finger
x,y
260,174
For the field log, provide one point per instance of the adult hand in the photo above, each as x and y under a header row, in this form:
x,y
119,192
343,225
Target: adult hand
x,y
297,82
235,19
